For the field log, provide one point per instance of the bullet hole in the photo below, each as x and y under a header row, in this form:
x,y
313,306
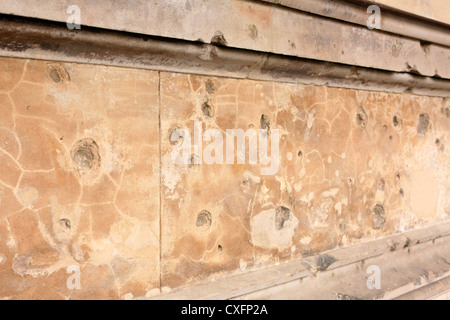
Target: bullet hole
x,y
398,176
57,73
324,261
402,193
195,161
397,121
424,120
390,138
361,118
378,216
438,141
265,123
350,181
65,224
384,127
204,219
207,110
446,112
252,31
219,249
300,153
282,214
176,136
86,157
210,87
55,76
381,184
218,39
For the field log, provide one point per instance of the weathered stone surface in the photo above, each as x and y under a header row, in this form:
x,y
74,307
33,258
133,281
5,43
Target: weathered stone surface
x,y
353,166
78,166
86,155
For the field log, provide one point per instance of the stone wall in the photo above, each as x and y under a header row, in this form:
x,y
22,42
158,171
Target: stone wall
x,y
87,177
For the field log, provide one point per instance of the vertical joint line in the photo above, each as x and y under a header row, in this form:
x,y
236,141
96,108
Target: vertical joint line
x,y
160,181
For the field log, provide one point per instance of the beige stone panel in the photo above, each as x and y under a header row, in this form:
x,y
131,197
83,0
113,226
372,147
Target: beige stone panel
x,y
79,180
12,72
347,172
6,112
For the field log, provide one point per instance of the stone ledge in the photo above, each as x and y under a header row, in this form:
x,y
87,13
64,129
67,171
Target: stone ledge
x,y
35,39
414,264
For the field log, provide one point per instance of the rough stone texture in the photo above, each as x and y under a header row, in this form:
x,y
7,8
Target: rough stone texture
x,y
353,166
86,157
79,176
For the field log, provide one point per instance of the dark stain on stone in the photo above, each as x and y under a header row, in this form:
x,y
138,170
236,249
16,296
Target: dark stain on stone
x,y
16,46
361,118
424,121
324,261
378,216
381,184
397,121
252,31
282,214
195,161
342,226
85,156
49,46
219,39
393,246
265,123
207,109
210,87
407,243
343,296
204,219
446,112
